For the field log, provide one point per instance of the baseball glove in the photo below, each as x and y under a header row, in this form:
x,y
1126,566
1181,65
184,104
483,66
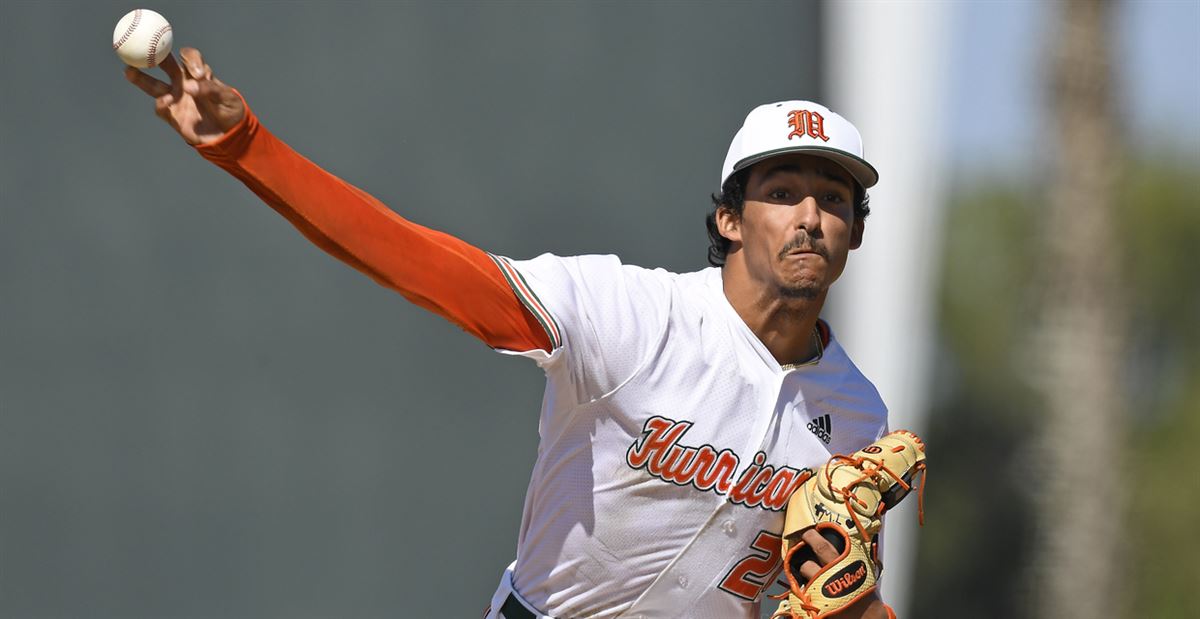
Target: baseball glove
x,y
845,501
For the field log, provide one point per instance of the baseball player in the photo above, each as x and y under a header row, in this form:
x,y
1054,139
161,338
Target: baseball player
x,y
681,410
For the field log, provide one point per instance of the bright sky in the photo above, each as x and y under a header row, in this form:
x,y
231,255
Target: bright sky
x,y
996,74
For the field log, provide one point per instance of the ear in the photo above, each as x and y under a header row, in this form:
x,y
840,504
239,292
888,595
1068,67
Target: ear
x,y
729,224
856,232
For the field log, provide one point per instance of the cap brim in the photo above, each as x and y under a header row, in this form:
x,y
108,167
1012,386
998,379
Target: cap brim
x,y
858,167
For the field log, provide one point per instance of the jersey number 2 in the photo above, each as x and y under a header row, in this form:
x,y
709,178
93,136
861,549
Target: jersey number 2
x,y
756,572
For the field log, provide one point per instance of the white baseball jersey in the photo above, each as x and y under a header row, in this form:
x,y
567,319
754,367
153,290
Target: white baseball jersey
x,y
670,442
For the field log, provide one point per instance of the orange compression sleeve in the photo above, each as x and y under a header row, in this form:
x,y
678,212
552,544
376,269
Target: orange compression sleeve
x,y
432,269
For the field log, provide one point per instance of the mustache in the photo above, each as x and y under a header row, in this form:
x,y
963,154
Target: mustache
x,y
804,242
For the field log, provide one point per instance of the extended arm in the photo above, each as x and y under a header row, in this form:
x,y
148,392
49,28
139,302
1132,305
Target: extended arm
x,y
432,269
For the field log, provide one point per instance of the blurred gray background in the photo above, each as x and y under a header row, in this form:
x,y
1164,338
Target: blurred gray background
x,y
201,415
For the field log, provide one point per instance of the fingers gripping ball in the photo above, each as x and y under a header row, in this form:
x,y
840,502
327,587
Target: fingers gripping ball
x,y
845,501
142,38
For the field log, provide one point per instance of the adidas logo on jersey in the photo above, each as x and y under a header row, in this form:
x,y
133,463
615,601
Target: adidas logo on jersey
x,y
822,427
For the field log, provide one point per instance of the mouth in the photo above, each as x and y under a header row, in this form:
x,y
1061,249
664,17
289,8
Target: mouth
x,y
799,253
803,245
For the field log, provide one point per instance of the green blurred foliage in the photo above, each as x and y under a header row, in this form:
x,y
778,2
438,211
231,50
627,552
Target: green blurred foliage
x,y
1161,215
975,551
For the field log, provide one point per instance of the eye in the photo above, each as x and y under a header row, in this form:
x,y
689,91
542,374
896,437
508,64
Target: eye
x,y
779,194
835,198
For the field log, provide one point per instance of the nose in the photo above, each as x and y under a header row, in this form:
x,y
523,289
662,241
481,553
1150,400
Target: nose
x,y
807,214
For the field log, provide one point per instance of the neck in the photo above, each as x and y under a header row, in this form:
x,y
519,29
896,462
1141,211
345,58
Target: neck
x,y
784,324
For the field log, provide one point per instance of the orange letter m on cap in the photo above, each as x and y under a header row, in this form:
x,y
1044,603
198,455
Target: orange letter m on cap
x,y
804,122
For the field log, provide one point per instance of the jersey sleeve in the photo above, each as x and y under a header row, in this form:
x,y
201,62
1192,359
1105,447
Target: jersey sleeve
x,y
604,319
432,269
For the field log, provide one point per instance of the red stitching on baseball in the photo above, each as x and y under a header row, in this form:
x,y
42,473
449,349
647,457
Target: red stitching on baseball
x,y
158,35
137,17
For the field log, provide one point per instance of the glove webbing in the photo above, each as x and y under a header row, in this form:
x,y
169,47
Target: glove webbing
x,y
873,473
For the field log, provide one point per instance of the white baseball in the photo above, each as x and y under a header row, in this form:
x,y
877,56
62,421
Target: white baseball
x,y
142,38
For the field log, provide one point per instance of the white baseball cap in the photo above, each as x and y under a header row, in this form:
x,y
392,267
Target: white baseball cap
x,y
798,127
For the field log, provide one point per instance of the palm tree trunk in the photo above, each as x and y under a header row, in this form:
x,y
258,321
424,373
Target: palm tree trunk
x,y
1080,336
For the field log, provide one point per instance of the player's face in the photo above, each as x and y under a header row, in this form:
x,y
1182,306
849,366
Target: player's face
x,y
798,225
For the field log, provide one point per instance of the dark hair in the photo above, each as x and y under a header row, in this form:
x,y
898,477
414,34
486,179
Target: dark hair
x,y
733,197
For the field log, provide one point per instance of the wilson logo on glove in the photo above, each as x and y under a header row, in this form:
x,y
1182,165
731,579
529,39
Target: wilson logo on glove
x,y
845,580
